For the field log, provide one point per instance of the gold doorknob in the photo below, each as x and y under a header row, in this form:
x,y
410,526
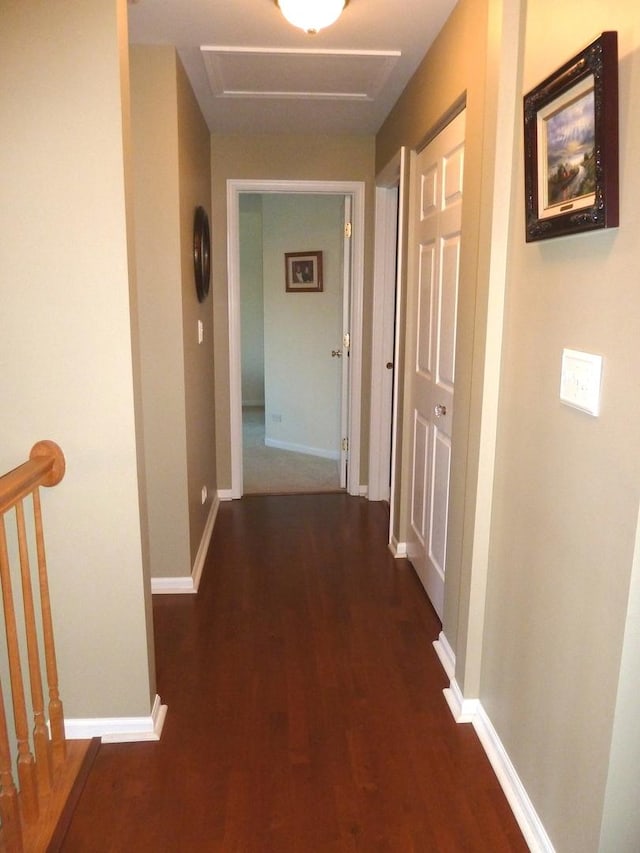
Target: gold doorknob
x,y
336,353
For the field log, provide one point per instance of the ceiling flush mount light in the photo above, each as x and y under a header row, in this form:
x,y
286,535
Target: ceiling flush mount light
x,y
311,15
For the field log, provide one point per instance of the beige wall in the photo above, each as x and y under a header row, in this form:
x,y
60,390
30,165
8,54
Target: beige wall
x,y
620,829
567,484
195,190
67,370
157,221
280,158
537,606
172,178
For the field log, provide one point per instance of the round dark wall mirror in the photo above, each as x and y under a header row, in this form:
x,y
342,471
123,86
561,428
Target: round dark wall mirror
x,y
201,253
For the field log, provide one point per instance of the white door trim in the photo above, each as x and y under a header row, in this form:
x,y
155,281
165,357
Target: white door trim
x,y
347,219
355,189
384,265
390,233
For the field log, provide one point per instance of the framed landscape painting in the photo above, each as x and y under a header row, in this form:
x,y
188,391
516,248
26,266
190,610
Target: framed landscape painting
x,y
571,145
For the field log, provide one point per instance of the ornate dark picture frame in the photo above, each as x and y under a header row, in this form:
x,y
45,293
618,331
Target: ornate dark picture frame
x,y
571,145
303,272
201,253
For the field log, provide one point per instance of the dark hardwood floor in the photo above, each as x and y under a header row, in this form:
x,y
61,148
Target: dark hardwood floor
x,y
305,705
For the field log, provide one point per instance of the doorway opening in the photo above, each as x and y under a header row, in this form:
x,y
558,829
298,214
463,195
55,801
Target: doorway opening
x,y
293,359
338,352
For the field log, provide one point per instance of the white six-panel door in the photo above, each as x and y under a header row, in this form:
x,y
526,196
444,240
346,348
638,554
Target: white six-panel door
x,y
435,233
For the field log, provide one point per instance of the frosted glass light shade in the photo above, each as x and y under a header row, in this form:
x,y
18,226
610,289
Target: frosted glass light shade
x,y
311,15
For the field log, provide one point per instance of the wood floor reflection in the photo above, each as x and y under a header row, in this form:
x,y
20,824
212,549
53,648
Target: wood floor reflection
x,y
305,705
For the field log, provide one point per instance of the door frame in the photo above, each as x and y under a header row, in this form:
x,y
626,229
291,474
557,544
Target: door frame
x,y
389,271
356,190
344,344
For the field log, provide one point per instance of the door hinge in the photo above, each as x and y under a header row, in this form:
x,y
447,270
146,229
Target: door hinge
x,y
347,229
345,444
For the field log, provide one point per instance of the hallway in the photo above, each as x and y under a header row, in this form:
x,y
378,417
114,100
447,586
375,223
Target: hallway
x,y
305,705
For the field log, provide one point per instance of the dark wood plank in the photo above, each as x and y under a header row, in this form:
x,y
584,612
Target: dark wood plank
x,y
71,797
55,805
305,705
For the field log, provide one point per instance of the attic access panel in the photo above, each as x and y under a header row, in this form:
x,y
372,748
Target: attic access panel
x,y
239,72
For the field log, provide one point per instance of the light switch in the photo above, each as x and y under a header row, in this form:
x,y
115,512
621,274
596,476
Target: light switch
x,y
580,380
200,332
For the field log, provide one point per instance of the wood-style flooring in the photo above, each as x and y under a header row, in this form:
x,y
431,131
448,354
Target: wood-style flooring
x,y
305,705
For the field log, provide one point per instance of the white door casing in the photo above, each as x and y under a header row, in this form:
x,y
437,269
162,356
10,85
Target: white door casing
x,y
382,344
355,190
344,345
387,334
434,266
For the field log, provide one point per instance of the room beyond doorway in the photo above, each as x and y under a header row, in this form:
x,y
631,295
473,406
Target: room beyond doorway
x,y
270,470
292,364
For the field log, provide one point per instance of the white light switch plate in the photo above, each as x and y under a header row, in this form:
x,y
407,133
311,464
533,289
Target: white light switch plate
x,y
580,380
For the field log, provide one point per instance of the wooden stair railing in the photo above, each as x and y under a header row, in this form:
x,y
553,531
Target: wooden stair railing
x,y
26,803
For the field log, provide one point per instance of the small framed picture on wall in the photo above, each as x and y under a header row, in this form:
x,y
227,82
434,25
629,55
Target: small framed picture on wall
x,y
303,272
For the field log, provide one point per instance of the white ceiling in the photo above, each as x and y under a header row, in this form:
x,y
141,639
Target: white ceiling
x,y
252,72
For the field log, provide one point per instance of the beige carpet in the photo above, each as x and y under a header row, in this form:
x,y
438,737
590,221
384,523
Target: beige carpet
x,y
268,470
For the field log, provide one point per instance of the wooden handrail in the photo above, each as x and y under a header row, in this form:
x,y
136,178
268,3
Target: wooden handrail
x,y
45,467
20,807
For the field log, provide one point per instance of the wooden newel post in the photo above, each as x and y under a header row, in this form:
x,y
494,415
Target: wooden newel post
x,y
51,451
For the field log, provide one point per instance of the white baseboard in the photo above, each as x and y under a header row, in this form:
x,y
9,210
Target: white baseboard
x,y
301,448
363,491
119,729
189,583
446,655
398,549
463,710
225,495
173,586
532,828
201,556
471,711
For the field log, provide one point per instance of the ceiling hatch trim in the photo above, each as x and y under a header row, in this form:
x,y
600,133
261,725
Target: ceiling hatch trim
x,y
262,72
